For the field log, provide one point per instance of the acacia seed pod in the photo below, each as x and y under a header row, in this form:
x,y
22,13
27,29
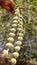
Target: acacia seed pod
x,y
17,48
18,43
14,25
5,53
17,13
15,54
17,10
15,22
20,34
20,19
10,39
20,16
13,61
20,38
15,18
11,34
13,30
19,29
9,45
19,25
20,22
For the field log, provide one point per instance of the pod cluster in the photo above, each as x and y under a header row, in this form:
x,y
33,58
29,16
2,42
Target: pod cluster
x,y
18,31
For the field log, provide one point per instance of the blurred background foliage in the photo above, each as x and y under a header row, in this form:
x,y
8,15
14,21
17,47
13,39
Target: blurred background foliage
x,y
29,12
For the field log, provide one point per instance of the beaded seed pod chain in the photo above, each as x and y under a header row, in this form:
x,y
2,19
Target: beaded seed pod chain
x,y
18,32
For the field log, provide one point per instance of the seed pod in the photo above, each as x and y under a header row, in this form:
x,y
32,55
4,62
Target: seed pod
x,y
11,34
15,22
18,43
17,10
10,39
15,18
20,38
20,26
17,48
20,16
20,19
15,54
13,61
13,30
9,45
19,29
14,25
17,13
20,22
20,34
5,53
